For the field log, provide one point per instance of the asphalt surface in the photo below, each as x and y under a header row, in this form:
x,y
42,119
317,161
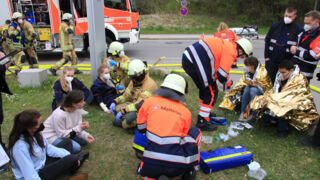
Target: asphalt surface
x,y
152,47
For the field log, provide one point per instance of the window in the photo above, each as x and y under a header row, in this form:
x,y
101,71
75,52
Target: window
x,y
116,4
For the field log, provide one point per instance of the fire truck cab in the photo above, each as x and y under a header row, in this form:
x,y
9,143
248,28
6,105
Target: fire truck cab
x,y
121,21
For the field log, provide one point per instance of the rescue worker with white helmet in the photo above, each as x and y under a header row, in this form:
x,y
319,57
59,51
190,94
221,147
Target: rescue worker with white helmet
x,y
119,64
15,40
3,36
66,34
30,43
172,147
207,60
141,86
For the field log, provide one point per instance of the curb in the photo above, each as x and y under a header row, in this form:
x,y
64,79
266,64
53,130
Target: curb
x,y
180,36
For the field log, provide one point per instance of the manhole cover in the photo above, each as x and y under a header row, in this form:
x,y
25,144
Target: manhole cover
x,y
173,42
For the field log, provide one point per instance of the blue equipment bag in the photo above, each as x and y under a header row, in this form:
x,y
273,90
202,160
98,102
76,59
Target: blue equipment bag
x,y
218,120
139,142
224,158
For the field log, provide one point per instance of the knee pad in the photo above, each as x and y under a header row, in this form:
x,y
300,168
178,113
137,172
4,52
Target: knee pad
x,y
23,58
130,117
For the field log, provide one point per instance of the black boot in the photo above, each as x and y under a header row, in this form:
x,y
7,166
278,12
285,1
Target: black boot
x,y
189,175
162,177
53,71
205,125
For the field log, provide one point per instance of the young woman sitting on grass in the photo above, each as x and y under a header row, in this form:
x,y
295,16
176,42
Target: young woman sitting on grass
x,y
66,122
32,157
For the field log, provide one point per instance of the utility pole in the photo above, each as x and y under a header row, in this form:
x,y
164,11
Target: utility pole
x,y
97,38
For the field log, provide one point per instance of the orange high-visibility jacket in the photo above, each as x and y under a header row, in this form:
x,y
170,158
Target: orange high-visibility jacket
x,y
167,123
212,57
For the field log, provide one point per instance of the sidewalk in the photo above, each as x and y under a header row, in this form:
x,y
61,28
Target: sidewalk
x,y
178,36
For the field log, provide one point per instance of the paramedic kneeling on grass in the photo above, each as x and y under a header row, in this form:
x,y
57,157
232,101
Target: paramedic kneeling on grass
x,y
172,147
66,122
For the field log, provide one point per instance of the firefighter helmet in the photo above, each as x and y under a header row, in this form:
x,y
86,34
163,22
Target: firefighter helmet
x,y
67,16
115,48
16,15
136,67
175,82
246,45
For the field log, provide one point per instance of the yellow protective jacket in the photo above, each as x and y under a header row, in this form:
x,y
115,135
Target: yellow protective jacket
x,y
29,34
66,37
262,79
3,31
120,74
135,95
15,38
294,102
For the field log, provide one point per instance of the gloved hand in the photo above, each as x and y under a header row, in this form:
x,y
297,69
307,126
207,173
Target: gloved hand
x,y
113,63
118,116
222,79
70,31
120,87
113,108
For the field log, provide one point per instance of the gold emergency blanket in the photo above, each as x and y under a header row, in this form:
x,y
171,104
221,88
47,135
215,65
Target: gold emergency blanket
x,y
231,99
294,102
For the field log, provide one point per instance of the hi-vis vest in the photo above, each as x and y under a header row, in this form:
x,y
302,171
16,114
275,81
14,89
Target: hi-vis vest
x,y
227,35
66,37
211,56
18,40
167,123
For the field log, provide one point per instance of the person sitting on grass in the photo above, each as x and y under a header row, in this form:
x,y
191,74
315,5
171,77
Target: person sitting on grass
x,y
66,83
254,82
104,89
289,102
32,157
66,122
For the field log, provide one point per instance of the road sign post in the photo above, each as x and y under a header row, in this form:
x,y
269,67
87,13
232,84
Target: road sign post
x,y
183,12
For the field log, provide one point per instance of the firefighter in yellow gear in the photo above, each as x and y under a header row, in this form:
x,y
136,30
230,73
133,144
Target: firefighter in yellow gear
x,y
3,36
30,44
15,40
126,106
66,34
119,63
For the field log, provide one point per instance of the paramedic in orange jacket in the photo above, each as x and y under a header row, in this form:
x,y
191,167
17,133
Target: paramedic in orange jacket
x,y
172,147
206,60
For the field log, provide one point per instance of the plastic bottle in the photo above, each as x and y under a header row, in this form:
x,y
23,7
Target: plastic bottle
x,y
255,171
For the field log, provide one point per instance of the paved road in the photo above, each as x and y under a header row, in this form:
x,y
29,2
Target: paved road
x,y
150,49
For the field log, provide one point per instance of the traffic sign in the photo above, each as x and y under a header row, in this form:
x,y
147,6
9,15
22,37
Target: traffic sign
x,y
183,11
184,3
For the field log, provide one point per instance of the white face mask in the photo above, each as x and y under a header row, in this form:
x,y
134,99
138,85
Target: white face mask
x,y
106,76
69,79
121,53
20,21
287,20
307,27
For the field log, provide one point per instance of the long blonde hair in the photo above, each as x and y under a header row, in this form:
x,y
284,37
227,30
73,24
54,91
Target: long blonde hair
x,y
62,78
222,26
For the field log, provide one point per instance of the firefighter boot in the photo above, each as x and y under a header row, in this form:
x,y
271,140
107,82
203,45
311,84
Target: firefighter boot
x,y
189,175
205,125
53,71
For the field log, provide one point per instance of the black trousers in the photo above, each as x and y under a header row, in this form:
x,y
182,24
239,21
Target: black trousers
x,y
1,119
316,136
272,69
57,167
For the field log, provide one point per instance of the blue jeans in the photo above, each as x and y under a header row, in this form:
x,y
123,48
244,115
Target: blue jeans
x,y
77,142
248,94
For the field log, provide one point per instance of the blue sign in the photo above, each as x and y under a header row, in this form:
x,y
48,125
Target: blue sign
x,y
183,11
184,3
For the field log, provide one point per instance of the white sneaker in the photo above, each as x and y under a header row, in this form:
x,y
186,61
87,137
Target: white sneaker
x,y
241,118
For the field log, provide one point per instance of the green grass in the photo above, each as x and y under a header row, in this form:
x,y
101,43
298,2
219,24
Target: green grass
x,y
112,156
194,24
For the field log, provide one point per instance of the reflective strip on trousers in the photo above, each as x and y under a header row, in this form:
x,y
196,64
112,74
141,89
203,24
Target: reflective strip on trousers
x,y
200,66
210,55
147,93
170,158
169,140
142,126
301,59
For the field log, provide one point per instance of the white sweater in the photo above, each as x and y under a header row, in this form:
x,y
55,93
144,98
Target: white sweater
x,y
60,123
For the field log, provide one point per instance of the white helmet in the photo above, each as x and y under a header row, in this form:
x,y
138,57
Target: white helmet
x,y
246,45
115,48
175,82
16,15
136,67
67,16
